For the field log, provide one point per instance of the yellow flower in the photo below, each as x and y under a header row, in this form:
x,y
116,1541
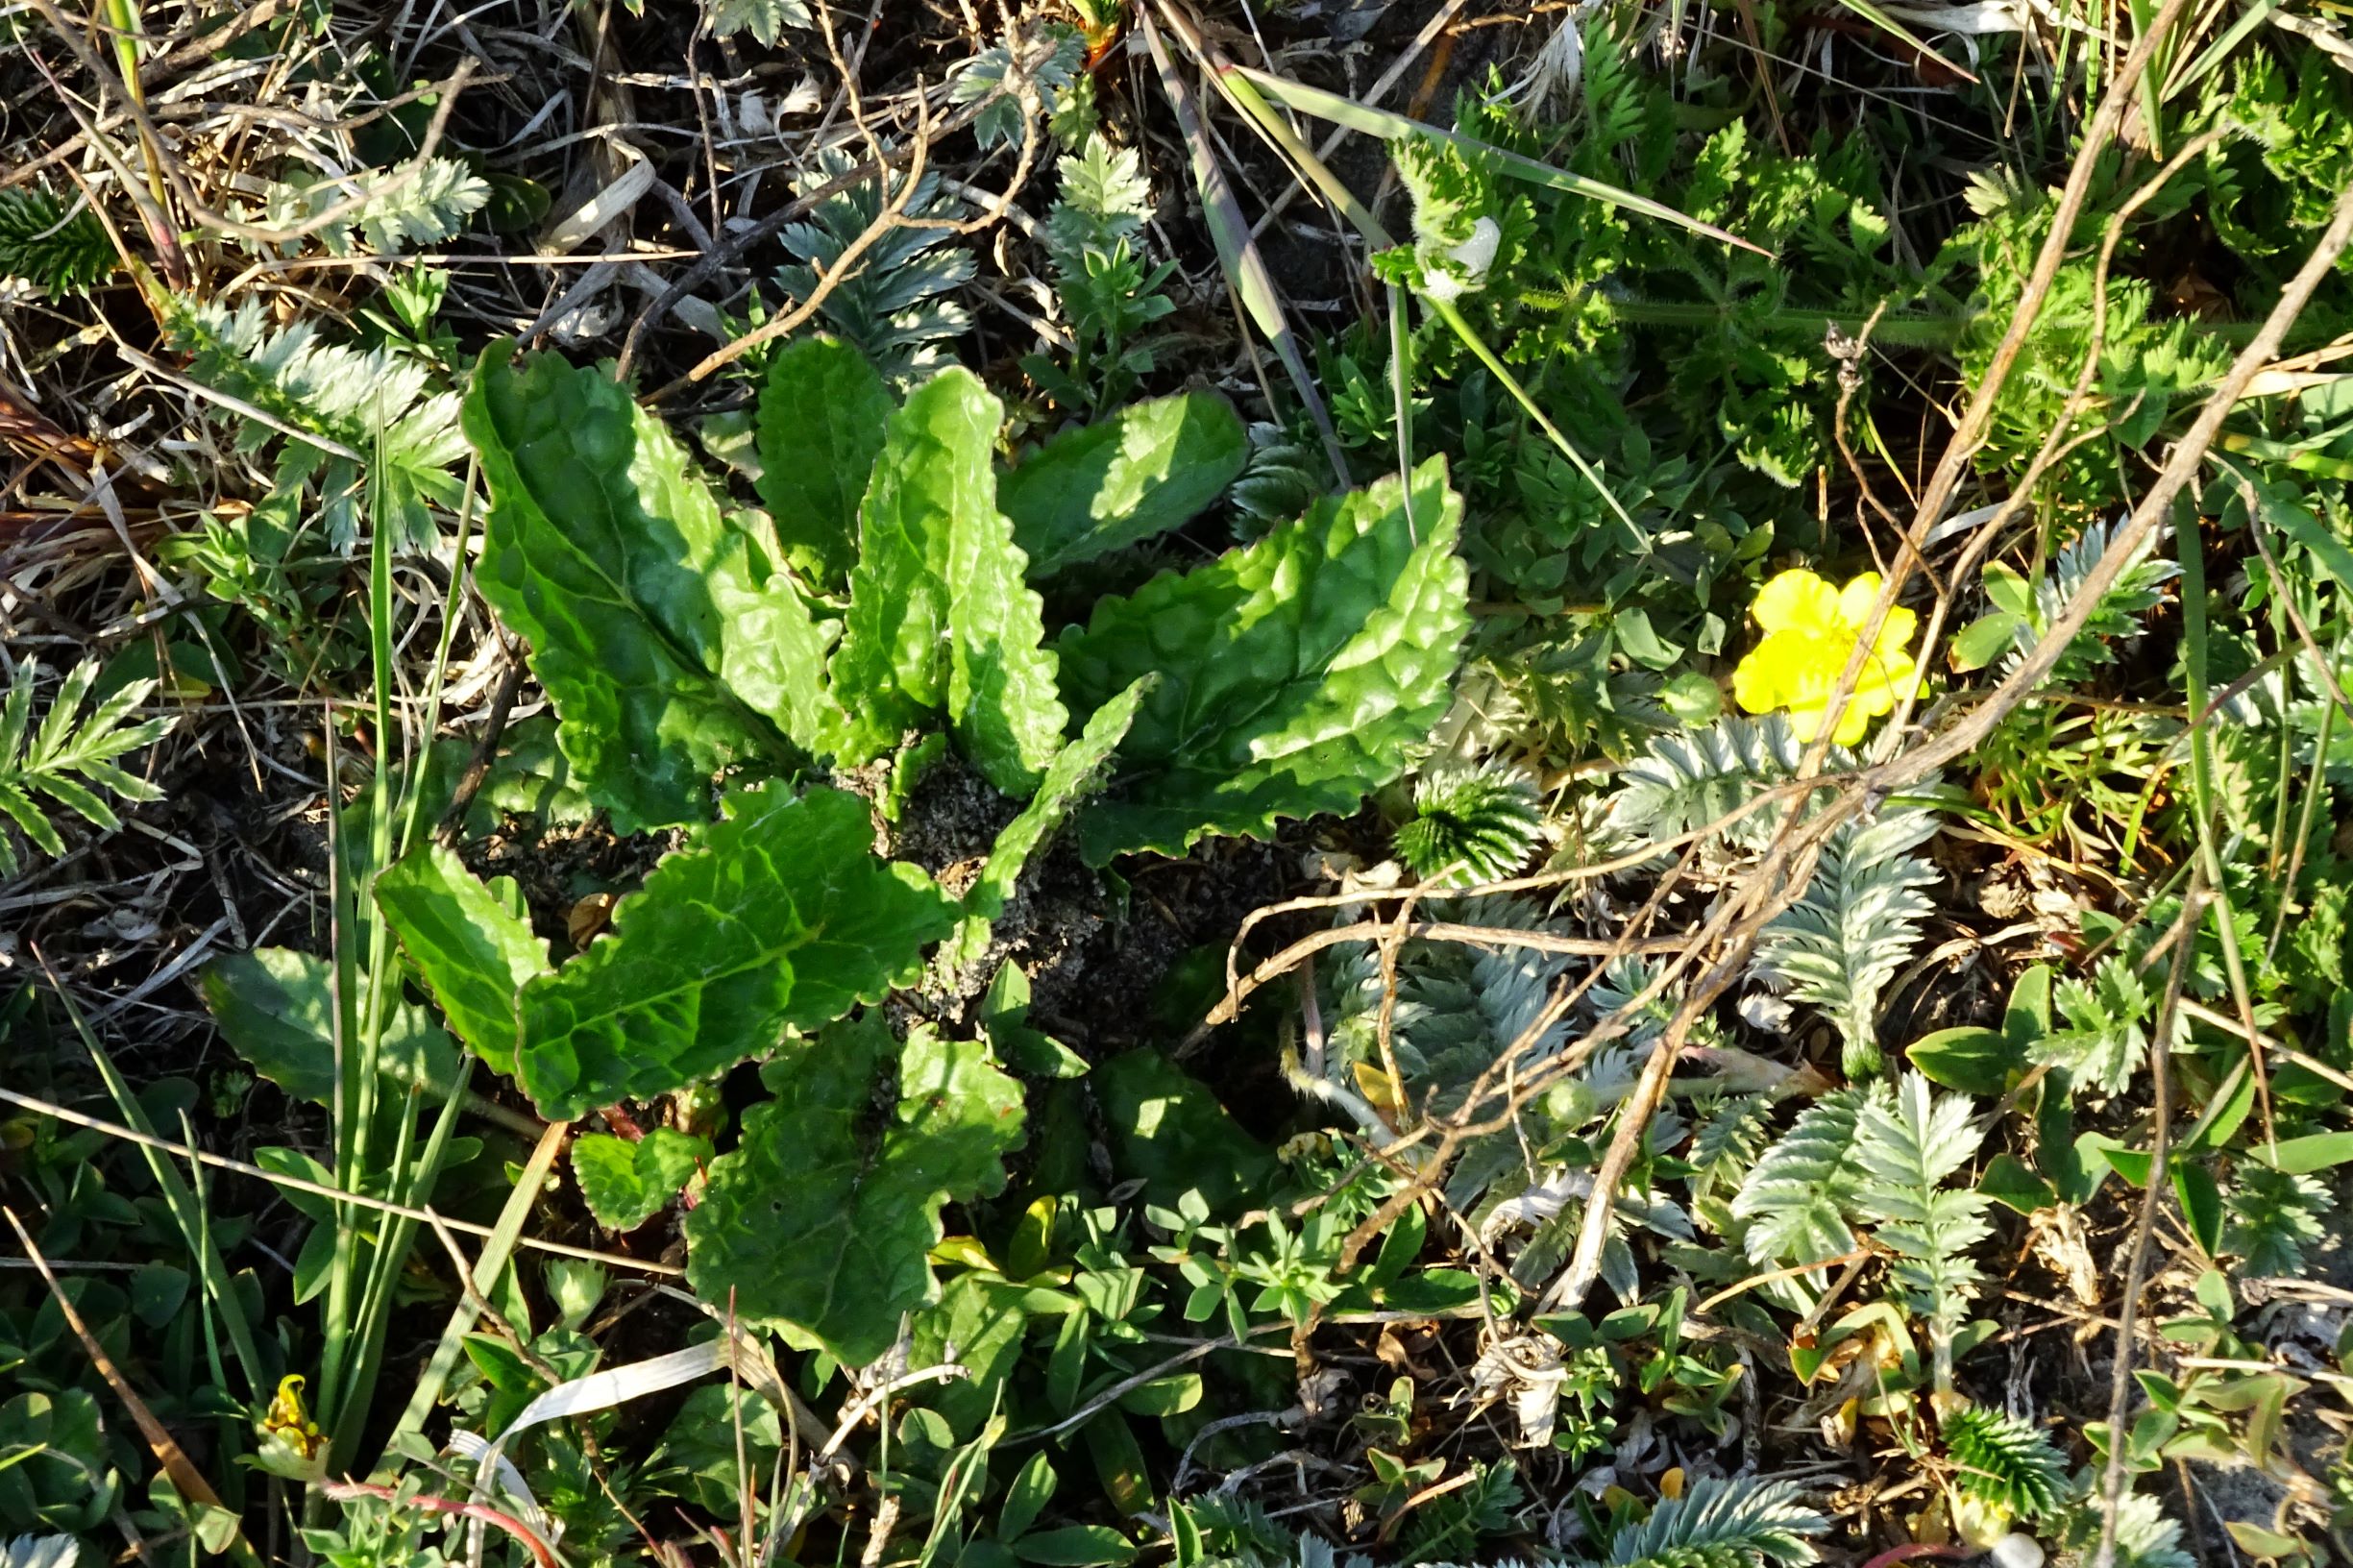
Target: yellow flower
x,y
1810,629
289,1422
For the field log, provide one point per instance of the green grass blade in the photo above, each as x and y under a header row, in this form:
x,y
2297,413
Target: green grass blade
x,y
1242,89
451,604
1881,20
2211,57
2326,549
2190,552
1237,253
1243,94
1401,397
2316,789
1496,368
187,1211
355,1340
488,1264
1390,126
352,1323
2152,74
385,1263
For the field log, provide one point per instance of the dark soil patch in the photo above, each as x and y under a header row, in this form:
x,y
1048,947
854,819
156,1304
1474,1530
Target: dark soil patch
x,y
1109,990
557,865
949,823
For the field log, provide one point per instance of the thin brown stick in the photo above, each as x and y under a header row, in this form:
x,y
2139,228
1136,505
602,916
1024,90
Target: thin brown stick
x,y
485,751
2059,442
828,279
1468,1123
1850,355
1978,417
2136,1266
1385,1021
1793,1271
1961,738
1734,936
2295,619
1964,735
1632,861
185,1479
1381,931
2181,465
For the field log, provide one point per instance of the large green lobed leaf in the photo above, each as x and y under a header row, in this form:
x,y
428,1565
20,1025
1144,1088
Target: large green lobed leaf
x,y
1296,675
1148,468
666,638
822,409
779,917
819,1218
939,618
473,953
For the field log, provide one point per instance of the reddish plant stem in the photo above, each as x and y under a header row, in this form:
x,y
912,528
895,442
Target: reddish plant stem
x,y
345,1490
1916,1549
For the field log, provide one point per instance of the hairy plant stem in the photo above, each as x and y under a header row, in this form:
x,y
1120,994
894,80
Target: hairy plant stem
x,y
2135,1265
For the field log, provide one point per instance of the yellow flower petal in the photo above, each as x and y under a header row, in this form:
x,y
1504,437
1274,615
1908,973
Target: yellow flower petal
x,y
1895,673
1806,723
1755,685
1813,668
1897,635
1796,600
1851,723
1855,600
